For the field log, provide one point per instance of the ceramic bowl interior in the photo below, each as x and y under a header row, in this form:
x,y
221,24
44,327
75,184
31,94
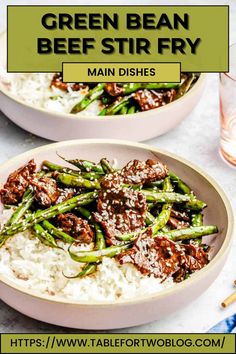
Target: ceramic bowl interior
x,y
217,213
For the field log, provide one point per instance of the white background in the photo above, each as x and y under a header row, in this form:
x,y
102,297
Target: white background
x,y
196,139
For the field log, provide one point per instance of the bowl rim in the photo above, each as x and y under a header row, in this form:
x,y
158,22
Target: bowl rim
x,y
222,253
81,117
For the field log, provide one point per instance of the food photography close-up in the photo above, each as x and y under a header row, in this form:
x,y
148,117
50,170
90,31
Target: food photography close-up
x,y
117,198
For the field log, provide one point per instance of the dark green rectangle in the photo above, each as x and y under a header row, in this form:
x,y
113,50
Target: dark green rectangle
x,y
117,343
26,32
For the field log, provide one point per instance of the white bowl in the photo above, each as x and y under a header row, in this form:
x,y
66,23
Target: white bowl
x,y
125,313
62,126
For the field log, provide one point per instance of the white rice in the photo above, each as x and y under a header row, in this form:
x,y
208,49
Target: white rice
x,y
34,89
31,264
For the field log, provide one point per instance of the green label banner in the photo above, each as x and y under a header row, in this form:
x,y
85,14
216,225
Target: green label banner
x,y
41,38
117,343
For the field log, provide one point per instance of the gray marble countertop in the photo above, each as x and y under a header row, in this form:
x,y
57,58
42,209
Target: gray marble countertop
x,y
196,139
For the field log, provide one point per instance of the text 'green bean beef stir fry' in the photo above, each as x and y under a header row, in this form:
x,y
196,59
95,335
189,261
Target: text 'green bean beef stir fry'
x,y
142,214
126,98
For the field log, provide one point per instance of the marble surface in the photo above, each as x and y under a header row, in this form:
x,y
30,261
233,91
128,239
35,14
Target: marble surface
x,y
197,139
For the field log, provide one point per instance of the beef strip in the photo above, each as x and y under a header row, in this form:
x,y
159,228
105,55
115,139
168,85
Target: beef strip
x,y
180,215
57,82
120,211
195,258
153,256
136,172
113,89
46,191
162,258
140,172
17,182
65,194
76,227
178,224
150,99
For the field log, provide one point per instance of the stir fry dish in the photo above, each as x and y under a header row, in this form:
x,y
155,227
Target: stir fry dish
x,y
142,214
126,98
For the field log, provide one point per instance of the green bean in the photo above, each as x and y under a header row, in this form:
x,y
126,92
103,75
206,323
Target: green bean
x,y
106,98
84,165
185,85
51,212
191,232
44,236
150,219
87,166
162,219
73,181
100,239
87,175
150,206
132,235
102,113
54,231
194,204
92,176
20,211
88,269
165,197
54,167
182,186
115,107
8,206
166,228
159,223
91,96
85,212
96,256
158,184
189,200
131,110
197,219
24,206
164,215
55,98
153,189
107,168
2,240
167,186
132,87
124,110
